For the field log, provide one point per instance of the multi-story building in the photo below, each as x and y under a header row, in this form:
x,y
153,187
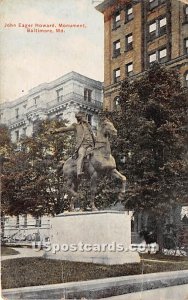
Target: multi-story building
x,y
61,98
139,33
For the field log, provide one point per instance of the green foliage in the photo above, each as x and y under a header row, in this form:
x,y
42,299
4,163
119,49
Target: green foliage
x,y
5,141
152,139
31,181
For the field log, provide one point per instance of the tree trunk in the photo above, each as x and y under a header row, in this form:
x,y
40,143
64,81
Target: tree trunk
x,y
160,239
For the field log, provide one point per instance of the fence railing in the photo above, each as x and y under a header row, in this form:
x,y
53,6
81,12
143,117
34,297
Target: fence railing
x,y
28,233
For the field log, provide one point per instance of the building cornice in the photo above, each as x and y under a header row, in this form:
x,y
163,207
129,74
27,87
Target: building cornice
x,y
107,3
104,5
17,123
62,80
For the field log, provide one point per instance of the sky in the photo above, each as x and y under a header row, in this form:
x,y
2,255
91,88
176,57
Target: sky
x,y
29,59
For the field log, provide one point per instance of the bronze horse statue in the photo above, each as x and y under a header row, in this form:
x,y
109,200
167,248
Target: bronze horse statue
x,y
99,161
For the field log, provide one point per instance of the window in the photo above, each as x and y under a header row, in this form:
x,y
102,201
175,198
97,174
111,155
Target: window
x,y
17,135
186,79
24,131
163,55
116,20
128,13
129,42
186,14
155,3
152,27
17,113
152,57
158,55
116,75
89,118
59,93
38,221
17,221
162,26
129,69
116,48
87,95
25,221
152,30
36,100
157,28
186,46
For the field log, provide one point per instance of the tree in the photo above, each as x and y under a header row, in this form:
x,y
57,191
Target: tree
x,y
5,149
31,182
152,140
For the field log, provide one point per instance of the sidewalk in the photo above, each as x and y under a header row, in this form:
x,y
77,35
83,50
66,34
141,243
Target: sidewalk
x,y
24,252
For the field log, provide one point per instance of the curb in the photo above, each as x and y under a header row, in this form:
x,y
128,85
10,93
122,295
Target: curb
x,y
100,288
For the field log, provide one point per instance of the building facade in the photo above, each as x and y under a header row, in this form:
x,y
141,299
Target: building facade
x,y
139,33
61,98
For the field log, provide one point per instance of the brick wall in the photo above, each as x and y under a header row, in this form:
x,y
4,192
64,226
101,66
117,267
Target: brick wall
x,y
177,31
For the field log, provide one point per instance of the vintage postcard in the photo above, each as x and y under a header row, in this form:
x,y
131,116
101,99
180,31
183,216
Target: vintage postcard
x,y
93,149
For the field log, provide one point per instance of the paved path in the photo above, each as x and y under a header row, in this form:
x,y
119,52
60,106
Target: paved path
x,y
24,252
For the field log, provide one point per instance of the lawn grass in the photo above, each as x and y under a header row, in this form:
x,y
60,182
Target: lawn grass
x,y
8,251
34,271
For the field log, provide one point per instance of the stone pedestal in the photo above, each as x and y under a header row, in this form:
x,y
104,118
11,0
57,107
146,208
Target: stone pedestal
x,y
99,237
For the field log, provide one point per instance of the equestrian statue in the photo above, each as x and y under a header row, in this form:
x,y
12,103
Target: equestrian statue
x,y
92,157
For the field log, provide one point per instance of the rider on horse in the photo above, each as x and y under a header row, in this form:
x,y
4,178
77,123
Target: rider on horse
x,y
85,140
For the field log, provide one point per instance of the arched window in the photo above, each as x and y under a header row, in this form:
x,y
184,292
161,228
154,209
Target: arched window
x,y
186,79
116,103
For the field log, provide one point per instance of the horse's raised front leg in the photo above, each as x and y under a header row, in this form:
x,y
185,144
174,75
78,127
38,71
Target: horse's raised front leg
x,y
123,180
72,189
93,190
